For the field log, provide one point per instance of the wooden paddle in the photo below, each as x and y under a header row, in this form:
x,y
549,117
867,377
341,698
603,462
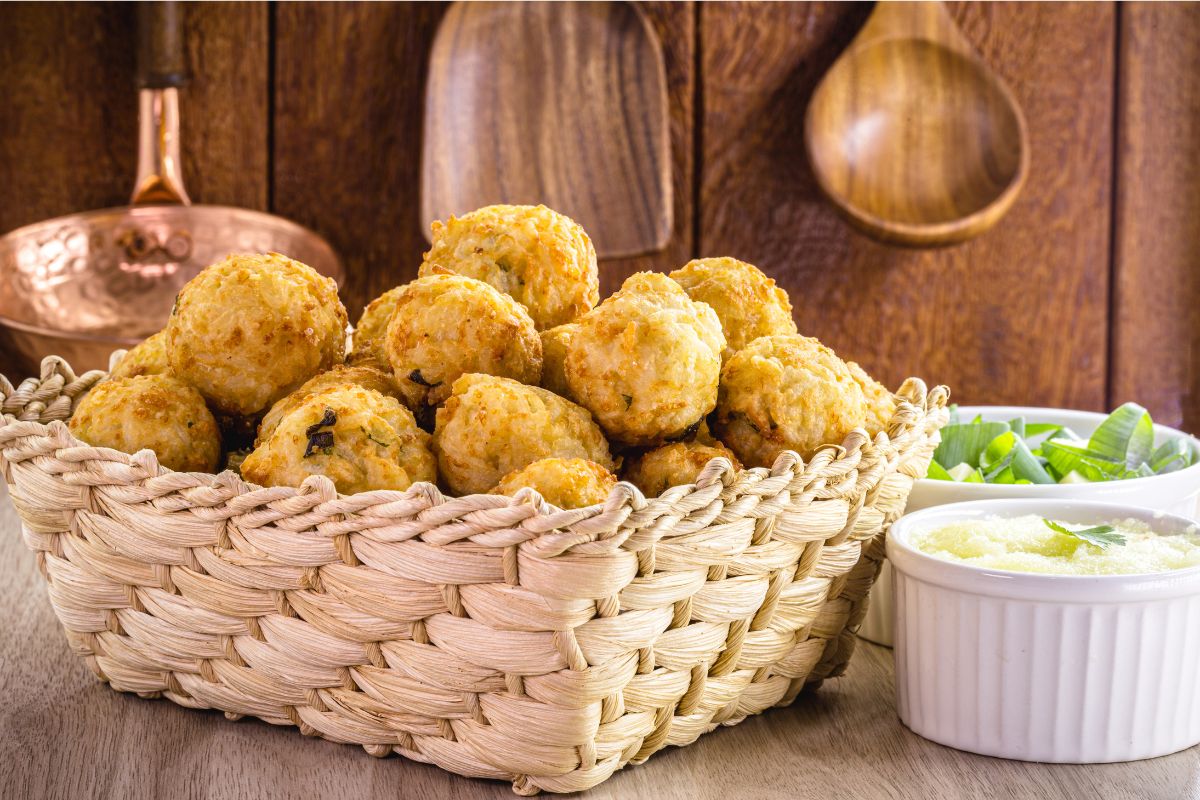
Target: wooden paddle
x,y
563,104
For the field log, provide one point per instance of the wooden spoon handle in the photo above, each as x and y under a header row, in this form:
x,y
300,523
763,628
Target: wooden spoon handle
x,y
911,20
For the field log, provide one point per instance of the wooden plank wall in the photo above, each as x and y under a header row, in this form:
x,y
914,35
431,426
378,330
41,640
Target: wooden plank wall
x,y
66,138
1156,323
68,107
1083,296
986,313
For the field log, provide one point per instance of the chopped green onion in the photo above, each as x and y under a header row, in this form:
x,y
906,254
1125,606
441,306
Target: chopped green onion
x,y
963,444
1026,466
1126,436
937,472
966,474
1069,458
1038,428
1172,455
1121,447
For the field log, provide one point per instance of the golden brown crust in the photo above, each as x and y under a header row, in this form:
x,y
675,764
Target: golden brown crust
x,y
543,259
368,346
674,464
358,438
491,426
786,392
147,358
555,343
446,325
341,376
881,403
249,329
646,361
563,482
748,303
150,412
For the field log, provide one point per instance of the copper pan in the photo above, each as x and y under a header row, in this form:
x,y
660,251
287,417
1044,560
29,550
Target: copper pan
x,y
83,285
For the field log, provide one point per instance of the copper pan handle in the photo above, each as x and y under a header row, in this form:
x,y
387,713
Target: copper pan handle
x,y
162,71
161,61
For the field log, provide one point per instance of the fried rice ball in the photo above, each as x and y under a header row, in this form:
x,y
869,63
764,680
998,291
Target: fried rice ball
x,y
342,375
151,412
149,357
359,438
674,464
787,392
543,259
370,333
747,302
554,353
562,482
646,361
881,403
249,329
491,426
447,325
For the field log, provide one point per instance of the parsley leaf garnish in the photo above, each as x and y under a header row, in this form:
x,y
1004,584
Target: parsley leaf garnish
x,y
1101,536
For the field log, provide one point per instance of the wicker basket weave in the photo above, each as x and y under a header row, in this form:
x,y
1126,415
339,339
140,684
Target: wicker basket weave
x,y
495,637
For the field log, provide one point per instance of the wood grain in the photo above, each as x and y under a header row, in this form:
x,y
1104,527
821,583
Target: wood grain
x,y
575,118
987,317
675,26
349,94
911,135
67,735
1156,323
69,105
224,112
67,91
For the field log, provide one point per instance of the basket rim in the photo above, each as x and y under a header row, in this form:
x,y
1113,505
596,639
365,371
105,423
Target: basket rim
x,y
315,592
57,390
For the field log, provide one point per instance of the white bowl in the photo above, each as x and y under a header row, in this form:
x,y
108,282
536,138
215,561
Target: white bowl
x,y
1056,668
1175,492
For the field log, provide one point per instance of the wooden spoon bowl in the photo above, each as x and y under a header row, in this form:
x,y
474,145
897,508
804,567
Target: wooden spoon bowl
x,y
912,136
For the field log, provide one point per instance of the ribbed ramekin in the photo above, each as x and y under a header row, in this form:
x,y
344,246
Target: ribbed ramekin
x,y
1174,492
1056,668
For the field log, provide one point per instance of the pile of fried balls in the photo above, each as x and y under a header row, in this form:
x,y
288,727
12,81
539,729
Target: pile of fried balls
x,y
498,368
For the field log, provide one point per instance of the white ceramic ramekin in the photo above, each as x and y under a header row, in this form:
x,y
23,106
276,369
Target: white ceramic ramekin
x,y
1068,669
1174,492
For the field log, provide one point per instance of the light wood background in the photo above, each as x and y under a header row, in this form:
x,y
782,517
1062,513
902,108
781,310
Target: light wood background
x,y
1083,296
65,734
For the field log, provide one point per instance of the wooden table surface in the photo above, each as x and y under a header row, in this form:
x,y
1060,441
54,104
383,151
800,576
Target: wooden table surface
x,y
67,735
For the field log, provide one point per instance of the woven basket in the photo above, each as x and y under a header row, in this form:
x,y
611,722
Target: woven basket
x,y
495,637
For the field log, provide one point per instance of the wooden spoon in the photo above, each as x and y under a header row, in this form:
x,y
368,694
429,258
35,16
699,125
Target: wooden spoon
x,y
557,103
912,136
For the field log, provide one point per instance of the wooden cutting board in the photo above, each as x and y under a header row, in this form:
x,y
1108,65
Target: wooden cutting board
x,y
557,103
